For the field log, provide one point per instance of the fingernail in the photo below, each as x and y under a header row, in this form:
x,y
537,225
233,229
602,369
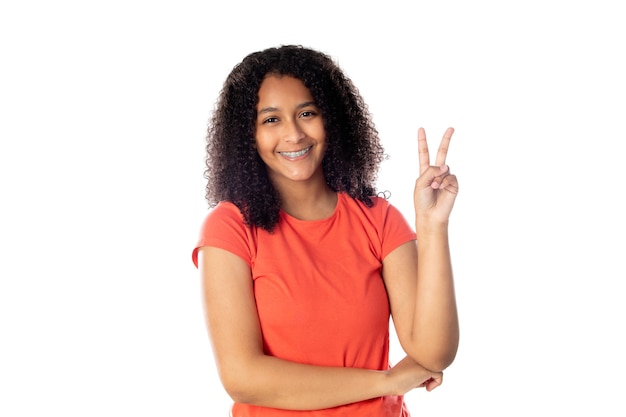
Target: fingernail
x,y
443,168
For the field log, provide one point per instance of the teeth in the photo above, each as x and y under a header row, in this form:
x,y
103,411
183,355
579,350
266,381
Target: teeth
x,y
295,154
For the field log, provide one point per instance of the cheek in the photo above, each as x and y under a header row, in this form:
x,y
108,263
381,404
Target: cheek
x,y
260,143
320,132
324,139
264,149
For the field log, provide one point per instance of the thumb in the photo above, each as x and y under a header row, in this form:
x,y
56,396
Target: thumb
x,y
434,382
432,177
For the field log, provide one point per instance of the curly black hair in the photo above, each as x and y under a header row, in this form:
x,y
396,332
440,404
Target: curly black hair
x,y
234,169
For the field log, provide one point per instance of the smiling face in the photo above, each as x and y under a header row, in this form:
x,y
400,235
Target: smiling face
x,y
290,135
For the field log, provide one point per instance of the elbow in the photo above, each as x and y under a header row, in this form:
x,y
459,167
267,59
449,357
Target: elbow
x,y
436,360
238,390
437,363
239,396
234,390
238,386
245,379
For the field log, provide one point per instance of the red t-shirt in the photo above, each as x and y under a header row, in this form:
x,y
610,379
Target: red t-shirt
x,y
320,296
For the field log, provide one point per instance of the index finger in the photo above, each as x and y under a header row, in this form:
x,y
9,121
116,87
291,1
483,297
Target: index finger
x,y
442,152
422,150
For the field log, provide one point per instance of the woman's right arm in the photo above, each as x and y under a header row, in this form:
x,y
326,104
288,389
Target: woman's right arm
x,y
251,377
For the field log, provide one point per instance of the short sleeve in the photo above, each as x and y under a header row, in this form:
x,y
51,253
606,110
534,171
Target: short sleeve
x,y
224,228
396,230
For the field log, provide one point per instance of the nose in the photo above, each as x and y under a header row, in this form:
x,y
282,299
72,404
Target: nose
x,y
293,132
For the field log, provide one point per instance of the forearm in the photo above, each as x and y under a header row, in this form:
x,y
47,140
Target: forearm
x,y
435,332
271,382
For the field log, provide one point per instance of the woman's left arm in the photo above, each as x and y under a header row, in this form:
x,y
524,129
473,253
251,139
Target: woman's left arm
x,y
419,277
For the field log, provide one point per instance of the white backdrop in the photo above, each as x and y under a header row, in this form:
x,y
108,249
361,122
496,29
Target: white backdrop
x,y
103,110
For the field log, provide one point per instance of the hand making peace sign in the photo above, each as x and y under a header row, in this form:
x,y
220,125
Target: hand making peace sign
x,y
435,189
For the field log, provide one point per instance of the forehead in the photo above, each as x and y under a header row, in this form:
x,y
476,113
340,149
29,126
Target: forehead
x,y
282,88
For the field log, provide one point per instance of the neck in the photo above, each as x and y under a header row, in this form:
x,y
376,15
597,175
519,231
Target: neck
x,y
308,200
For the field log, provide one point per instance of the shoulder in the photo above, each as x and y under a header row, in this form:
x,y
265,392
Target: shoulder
x,y
383,222
225,210
379,208
225,220
224,227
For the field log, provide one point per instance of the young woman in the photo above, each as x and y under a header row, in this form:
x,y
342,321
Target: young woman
x,y
302,264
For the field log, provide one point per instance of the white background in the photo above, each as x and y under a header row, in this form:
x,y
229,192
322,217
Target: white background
x,y
103,110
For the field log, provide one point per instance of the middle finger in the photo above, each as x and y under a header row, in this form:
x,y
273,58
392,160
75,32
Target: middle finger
x,y
442,152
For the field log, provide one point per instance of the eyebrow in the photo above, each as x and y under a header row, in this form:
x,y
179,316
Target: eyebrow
x,y
273,109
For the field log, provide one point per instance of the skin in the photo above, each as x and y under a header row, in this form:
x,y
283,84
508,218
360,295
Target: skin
x,y
419,279
289,121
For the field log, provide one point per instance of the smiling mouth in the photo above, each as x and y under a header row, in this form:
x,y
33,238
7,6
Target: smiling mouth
x,y
295,154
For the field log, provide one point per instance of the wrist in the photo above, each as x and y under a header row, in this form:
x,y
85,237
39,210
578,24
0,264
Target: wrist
x,y
425,228
388,383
